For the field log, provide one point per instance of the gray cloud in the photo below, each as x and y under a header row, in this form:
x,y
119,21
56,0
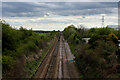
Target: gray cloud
x,y
57,15
31,9
60,1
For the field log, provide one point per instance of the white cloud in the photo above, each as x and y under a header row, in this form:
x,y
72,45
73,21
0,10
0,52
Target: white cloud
x,y
60,22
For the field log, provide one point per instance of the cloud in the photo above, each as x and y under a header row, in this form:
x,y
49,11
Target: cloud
x,y
60,1
59,23
58,15
32,9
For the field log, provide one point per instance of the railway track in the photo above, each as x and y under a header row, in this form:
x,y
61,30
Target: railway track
x,y
56,63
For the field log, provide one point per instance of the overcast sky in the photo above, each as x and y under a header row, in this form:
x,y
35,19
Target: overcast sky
x,y
60,0
58,15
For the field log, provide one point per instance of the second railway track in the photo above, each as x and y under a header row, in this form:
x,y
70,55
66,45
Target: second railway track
x,y
56,63
47,67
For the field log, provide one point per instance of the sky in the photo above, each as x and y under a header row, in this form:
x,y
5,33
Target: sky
x,y
60,1
58,15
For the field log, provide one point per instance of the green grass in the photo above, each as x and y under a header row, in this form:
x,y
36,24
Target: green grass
x,y
72,48
32,66
42,34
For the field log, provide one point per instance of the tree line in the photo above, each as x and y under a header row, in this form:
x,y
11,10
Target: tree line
x,y
100,57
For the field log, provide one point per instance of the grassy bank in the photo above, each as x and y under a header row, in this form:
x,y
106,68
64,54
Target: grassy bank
x,y
23,50
33,65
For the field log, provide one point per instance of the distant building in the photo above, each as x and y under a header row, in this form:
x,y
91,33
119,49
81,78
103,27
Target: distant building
x,y
86,39
116,27
119,44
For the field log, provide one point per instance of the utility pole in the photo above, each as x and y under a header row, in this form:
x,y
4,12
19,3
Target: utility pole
x,y
118,15
102,21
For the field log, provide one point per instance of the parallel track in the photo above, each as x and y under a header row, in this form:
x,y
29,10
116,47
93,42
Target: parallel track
x,y
56,63
47,66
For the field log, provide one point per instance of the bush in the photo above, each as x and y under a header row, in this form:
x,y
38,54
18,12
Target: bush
x,y
97,58
19,44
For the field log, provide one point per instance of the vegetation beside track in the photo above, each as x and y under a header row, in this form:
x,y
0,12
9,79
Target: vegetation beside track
x,y
99,58
23,50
